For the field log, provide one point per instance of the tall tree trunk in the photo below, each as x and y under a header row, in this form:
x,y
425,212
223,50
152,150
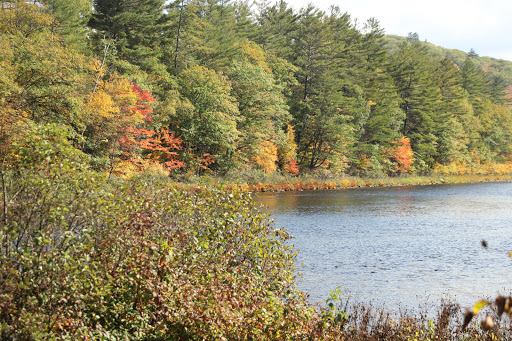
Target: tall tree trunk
x,y
178,35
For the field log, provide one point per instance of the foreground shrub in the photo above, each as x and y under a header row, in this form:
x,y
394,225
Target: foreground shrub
x,y
143,261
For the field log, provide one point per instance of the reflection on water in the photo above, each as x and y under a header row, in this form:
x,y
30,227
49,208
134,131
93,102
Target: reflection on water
x,y
400,246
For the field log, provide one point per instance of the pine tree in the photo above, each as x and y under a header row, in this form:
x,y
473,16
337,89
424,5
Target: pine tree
x,y
327,100
185,38
453,140
71,19
385,118
412,67
185,35
277,26
220,35
476,83
135,27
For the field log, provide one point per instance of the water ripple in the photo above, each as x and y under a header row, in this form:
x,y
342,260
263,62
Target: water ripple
x,y
400,246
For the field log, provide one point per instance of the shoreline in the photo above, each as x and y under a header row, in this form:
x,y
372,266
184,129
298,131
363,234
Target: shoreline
x,y
353,182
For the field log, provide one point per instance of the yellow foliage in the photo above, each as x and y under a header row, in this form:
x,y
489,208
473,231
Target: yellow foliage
x,y
266,156
479,305
102,105
154,168
463,168
125,169
120,89
288,151
113,100
255,55
364,162
23,18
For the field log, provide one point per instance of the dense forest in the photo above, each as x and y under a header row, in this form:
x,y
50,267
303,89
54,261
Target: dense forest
x,y
194,87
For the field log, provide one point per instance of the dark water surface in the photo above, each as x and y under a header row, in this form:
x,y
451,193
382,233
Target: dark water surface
x,y
401,246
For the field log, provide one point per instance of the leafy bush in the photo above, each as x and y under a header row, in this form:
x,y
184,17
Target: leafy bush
x,y
143,261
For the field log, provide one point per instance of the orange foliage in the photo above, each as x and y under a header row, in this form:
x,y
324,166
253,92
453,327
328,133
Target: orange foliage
x,y
287,153
402,154
116,107
142,107
292,167
162,146
206,160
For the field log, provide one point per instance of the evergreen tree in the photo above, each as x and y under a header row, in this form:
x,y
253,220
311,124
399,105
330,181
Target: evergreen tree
x,y
412,67
71,19
185,35
472,54
134,25
327,100
474,80
477,85
245,26
498,90
277,29
453,140
413,37
220,35
385,119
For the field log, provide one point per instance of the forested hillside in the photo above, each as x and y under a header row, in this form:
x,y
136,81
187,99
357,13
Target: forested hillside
x,y
194,87
495,68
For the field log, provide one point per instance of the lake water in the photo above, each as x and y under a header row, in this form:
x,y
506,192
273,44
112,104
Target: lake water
x,y
400,246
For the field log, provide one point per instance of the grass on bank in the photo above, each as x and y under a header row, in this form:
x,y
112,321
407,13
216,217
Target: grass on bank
x,y
258,181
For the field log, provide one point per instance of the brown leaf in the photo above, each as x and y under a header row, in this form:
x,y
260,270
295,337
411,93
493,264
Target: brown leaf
x,y
467,318
500,304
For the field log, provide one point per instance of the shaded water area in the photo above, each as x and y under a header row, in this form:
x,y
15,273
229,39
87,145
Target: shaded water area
x,y
400,247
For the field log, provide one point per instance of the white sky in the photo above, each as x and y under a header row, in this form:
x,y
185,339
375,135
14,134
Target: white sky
x,y
482,25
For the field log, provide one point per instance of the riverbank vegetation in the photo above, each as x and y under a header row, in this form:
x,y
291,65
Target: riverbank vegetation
x,y
106,113
260,182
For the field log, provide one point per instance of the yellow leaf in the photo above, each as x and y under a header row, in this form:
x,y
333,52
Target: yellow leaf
x,y
479,305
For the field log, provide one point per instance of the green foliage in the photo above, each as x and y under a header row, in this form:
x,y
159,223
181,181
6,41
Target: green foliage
x,y
86,255
136,262
332,313
262,107
71,19
44,79
229,87
207,118
133,25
